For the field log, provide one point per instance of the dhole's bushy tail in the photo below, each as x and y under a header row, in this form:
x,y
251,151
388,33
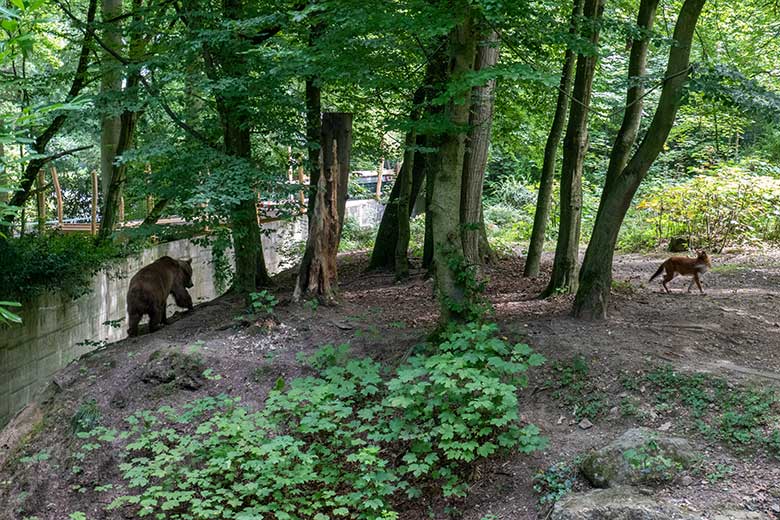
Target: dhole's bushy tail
x,y
657,273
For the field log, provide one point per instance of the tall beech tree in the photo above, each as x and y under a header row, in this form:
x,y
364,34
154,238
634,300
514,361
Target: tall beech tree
x,y
547,177
475,246
625,175
110,87
575,145
447,172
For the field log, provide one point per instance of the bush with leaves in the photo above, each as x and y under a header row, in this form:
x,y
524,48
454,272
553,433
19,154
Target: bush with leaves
x,y
347,442
53,262
731,204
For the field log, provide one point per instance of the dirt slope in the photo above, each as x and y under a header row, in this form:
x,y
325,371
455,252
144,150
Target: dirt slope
x,y
732,331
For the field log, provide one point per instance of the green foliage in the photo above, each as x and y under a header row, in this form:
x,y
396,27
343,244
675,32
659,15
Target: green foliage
x,y
574,387
732,204
262,302
354,237
6,316
86,418
347,442
650,459
53,262
555,482
741,417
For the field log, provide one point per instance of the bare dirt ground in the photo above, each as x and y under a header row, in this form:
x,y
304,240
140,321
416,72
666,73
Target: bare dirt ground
x,y
732,332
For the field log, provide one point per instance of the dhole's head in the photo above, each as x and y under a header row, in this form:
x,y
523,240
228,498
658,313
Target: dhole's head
x,y
703,257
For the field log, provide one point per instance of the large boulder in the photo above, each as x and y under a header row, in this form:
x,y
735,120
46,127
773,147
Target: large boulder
x,y
627,503
638,457
621,502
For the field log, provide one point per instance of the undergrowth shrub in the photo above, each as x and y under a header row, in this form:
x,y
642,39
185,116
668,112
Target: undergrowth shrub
x,y
730,205
347,442
53,262
354,237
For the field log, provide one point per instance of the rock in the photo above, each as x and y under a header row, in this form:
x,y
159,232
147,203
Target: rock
x,y
678,244
585,424
739,515
687,480
665,427
638,457
181,370
621,502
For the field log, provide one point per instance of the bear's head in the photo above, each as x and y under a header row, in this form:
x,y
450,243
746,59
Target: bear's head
x,y
186,272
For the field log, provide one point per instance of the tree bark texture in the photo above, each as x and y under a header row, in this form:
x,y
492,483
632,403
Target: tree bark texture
x,y
445,201
475,161
592,298
110,89
575,144
317,275
403,210
547,178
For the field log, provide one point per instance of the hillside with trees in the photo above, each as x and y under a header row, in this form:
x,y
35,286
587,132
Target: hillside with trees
x,y
430,228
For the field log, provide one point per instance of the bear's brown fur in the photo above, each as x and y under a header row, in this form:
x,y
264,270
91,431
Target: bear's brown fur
x,y
150,287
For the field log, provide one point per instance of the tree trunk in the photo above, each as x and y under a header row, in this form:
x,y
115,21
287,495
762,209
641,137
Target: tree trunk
x,y
544,198
592,297
454,297
475,161
383,254
40,196
155,212
318,275
110,214
404,181
575,145
39,145
115,182
110,90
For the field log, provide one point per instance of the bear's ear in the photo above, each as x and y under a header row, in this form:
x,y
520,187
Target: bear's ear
x,y
189,261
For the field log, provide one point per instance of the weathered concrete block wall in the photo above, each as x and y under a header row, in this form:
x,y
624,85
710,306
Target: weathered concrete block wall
x,y
56,330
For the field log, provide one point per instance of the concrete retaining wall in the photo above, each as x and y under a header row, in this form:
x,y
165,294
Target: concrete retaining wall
x,y
56,330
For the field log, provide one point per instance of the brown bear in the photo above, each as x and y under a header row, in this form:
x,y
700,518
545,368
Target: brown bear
x,y
150,287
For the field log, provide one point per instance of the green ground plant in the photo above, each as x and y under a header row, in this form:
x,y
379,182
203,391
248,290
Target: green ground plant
x,y
349,441
574,388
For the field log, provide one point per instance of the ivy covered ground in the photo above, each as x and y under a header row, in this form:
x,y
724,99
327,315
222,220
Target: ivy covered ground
x,y
700,367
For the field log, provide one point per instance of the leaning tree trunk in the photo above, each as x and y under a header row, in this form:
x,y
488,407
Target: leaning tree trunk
x,y
317,275
544,198
405,188
592,297
42,140
564,274
453,295
110,90
383,254
480,121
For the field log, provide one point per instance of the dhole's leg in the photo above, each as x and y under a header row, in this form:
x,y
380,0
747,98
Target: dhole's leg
x,y
154,318
133,320
698,282
690,285
668,277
